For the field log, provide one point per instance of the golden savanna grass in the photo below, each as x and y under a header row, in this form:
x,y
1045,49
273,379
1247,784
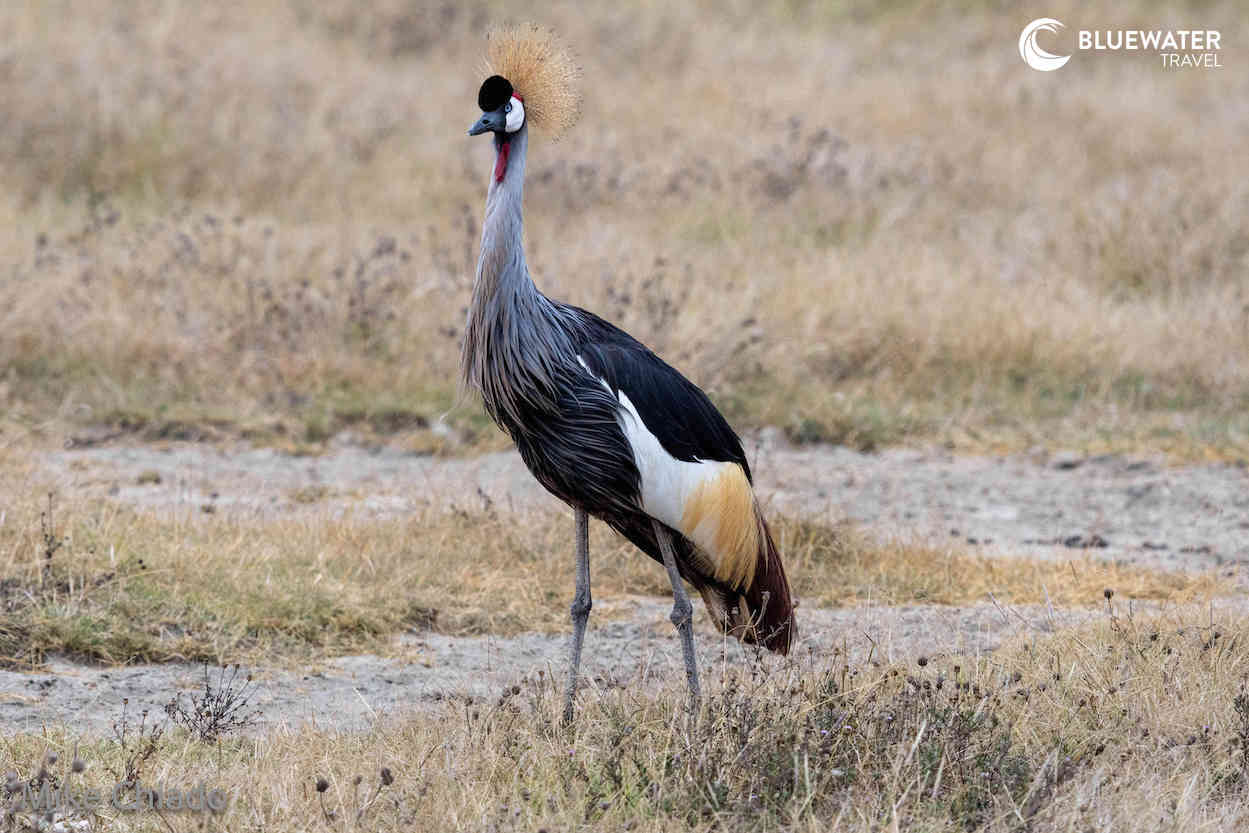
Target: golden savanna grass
x,y
1122,724
100,582
863,225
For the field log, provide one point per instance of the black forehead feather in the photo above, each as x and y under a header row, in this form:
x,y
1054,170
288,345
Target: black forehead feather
x,y
494,93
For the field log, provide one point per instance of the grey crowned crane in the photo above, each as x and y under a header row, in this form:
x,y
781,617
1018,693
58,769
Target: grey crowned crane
x,y
602,422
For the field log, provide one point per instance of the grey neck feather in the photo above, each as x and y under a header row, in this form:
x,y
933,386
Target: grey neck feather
x,y
517,343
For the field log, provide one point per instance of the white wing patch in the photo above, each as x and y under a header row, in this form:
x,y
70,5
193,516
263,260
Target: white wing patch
x,y
667,483
708,501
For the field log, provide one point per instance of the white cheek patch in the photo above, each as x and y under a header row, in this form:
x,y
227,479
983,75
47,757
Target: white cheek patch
x,y
517,117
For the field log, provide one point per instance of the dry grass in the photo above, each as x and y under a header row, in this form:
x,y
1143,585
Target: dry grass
x,y
100,582
262,219
840,566
1123,724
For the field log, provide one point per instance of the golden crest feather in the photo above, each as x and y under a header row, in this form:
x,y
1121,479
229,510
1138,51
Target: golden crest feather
x,y
542,72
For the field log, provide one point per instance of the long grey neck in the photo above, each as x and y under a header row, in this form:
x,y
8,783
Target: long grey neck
x,y
501,264
513,339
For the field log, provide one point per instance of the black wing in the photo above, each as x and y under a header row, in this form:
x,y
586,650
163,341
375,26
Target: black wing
x,y
672,407
689,428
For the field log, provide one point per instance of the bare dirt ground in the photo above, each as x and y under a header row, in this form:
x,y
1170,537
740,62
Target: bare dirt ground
x,y
1141,511
639,649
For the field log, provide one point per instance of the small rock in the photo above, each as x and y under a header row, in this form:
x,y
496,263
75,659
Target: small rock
x,y
1081,542
1067,460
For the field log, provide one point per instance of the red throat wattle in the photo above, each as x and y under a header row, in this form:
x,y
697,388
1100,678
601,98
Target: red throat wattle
x,y
500,162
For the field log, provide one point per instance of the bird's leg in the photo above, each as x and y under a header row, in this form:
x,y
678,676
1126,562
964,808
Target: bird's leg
x,y
580,610
682,612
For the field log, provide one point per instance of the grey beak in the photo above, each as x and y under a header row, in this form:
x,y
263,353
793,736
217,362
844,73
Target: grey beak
x,y
496,120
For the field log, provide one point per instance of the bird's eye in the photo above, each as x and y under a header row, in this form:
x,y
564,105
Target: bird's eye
x,y
507,108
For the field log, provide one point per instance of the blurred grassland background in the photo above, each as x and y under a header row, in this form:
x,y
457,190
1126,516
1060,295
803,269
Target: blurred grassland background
x,y
865,223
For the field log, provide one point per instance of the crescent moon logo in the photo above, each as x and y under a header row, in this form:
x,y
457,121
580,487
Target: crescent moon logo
x,y
1032,54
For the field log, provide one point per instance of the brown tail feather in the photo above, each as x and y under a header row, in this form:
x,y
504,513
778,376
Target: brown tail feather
x,y
763,613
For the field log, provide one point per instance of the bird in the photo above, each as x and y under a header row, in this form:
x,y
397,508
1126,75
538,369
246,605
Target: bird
x,y
600,420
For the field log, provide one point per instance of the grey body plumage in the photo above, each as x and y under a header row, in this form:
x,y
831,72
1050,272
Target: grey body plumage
x,y
520,353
